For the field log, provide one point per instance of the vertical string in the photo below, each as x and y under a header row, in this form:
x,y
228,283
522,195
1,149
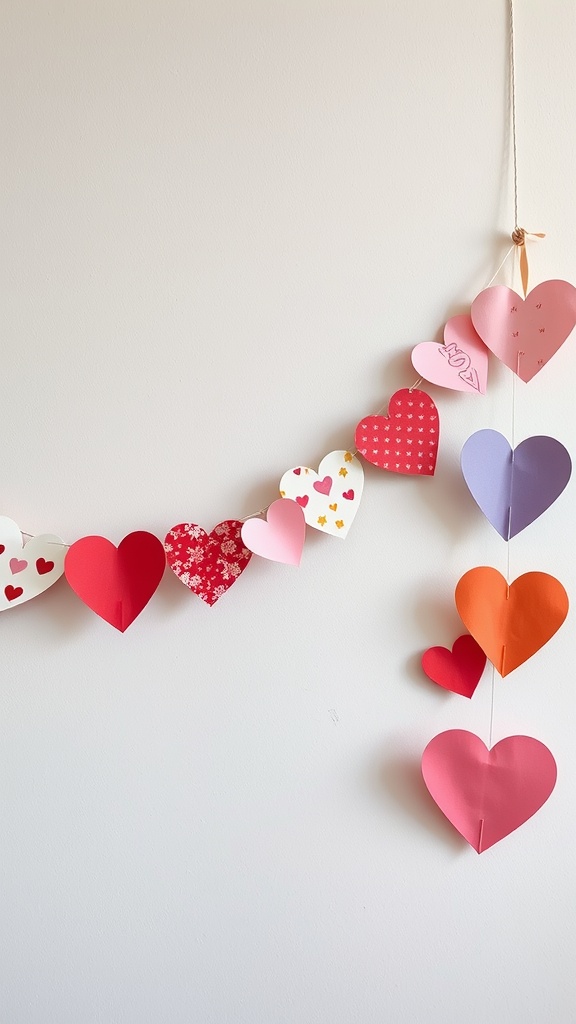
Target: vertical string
x,y
512,72
513,111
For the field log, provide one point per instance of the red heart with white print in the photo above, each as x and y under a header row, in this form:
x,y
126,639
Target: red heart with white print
x,y
329,498
525,333
207,563
21,578
406,440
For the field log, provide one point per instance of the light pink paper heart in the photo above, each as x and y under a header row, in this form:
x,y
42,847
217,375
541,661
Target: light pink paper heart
x,y
460,364
486,794
525,333
279,537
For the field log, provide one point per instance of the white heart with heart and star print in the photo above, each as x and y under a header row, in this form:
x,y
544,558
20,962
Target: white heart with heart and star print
x,y
27,570
329,498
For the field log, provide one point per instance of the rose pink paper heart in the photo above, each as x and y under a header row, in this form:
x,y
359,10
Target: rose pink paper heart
x,y
461,363
279,537
487,794
207,563
525,333
27,570
329,498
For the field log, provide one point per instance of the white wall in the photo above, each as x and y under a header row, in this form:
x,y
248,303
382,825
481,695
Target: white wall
x,y
225,223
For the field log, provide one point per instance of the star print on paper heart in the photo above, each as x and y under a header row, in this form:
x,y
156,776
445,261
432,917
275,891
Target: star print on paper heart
x,y
27,570
406,440
207,563
329,498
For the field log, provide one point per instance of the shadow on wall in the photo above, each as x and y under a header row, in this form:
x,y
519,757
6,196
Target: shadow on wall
x,y
399,777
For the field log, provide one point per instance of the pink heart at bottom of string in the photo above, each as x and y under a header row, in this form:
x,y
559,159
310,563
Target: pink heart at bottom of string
x,y
279,537
487,794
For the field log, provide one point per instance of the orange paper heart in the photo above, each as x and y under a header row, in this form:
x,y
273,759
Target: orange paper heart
x,y
510,622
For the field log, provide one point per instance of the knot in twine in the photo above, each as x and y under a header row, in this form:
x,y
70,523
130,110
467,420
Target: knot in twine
x,y
519,238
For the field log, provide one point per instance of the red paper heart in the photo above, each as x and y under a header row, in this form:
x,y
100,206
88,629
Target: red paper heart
x,y
406,440
2,549
208,564
486,794
303,500
458,670
13,592
116,583
349,495
43,567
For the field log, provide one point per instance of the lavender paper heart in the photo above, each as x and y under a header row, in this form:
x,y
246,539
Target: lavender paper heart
x,y
513,488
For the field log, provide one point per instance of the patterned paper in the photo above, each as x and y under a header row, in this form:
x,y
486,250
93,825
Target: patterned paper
x,y
329,498
460,364
207,563
27,570
406,440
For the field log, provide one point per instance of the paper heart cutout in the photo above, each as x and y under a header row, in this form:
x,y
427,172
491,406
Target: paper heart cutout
x,y
525,333
116,582
30,581
458,670
317,493
511,623
207,563
406,440
279,537
460,364
514,489
487,794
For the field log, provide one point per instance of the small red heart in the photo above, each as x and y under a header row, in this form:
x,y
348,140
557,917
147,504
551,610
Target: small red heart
x,y
42,566
297,471
323,486
13,592
349,495
303,500
459,670
2,549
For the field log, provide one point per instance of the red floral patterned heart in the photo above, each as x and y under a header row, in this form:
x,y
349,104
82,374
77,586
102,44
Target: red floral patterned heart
x,y
207,563
406,440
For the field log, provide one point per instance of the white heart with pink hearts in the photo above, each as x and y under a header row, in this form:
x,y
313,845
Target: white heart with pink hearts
x,y
329,498
27,570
